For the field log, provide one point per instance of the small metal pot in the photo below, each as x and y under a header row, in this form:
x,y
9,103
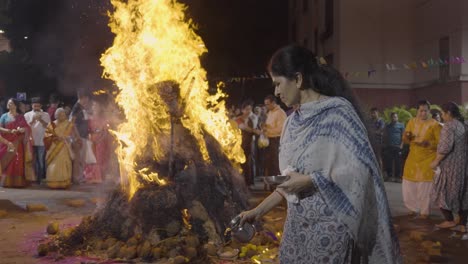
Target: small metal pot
x,y
244,233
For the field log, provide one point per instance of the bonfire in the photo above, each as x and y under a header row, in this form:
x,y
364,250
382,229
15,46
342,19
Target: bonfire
x,y
178,154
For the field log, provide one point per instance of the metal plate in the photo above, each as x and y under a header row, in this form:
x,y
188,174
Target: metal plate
x,y
276,180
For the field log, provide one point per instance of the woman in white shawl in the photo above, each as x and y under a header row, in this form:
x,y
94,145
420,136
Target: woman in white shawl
x,y
337,206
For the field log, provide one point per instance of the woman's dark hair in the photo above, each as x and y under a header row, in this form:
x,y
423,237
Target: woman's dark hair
x,y
53,98
454,110
17,104
271,98
246,103
422,103
323,79
83,93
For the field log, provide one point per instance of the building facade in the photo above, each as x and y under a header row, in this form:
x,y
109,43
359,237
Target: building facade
x,y
394,41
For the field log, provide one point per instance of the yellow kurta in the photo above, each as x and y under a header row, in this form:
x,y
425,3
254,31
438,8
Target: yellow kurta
x,y
417,165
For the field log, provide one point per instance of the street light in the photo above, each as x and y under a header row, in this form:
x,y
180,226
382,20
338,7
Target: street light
x,y
25,37
1,31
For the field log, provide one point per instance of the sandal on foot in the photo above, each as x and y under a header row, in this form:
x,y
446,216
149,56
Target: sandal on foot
x,y
459,228
446,224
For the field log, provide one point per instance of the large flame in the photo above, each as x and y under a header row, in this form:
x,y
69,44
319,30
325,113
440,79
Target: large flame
x,y
155,43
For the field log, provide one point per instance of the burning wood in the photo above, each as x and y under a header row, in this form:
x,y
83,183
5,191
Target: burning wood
x,y
179,188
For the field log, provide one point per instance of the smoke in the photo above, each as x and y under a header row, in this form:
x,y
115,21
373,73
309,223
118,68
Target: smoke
x,y
69,46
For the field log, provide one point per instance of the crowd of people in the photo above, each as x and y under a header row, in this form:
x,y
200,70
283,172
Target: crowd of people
x,y
433,172
56,146
428,155
261,129
337,160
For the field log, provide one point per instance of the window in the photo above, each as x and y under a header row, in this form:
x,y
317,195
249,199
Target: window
x,y
444,54
329,12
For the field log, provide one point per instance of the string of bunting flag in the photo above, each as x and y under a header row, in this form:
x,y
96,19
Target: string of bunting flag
x,y
389,67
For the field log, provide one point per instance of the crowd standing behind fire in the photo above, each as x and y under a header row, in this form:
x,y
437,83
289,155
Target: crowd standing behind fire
x,y
57,145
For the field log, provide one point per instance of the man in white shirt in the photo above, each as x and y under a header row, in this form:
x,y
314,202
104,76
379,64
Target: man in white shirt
x,y
272,128
38,121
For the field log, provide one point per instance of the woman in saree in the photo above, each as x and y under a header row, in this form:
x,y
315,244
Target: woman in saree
x,y
59,156
422,134
13,127
101,140
337,206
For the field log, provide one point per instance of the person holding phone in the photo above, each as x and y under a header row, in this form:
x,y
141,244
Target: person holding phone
x,y
422,134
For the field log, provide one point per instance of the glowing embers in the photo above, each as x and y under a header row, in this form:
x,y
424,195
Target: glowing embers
x,y
186,218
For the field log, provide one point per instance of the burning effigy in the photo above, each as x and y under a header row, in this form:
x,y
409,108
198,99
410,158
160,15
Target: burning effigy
x,y
178,155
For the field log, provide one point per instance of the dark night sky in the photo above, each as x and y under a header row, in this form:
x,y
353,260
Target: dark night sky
x,y
66,37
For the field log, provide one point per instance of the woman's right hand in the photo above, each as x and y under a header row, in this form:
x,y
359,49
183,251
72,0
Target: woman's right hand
x,y
409,135
249,216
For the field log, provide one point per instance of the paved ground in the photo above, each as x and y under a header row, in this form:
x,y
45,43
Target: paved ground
x,y
20,231
54,199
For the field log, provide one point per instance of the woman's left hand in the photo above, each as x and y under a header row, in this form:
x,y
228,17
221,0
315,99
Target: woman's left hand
x,y
434,164
297,183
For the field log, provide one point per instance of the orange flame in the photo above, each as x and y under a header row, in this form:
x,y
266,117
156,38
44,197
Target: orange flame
x,y
186,218
155,43
98,92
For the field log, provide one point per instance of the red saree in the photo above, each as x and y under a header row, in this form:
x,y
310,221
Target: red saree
x,y
101,139
13,162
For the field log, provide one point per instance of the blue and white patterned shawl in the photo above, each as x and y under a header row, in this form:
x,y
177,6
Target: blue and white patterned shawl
x,y
328,141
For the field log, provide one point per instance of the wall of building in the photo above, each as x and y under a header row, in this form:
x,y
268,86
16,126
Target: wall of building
x,y
383,98
310,25
373,34
464,36
369,34
435,19
438,93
